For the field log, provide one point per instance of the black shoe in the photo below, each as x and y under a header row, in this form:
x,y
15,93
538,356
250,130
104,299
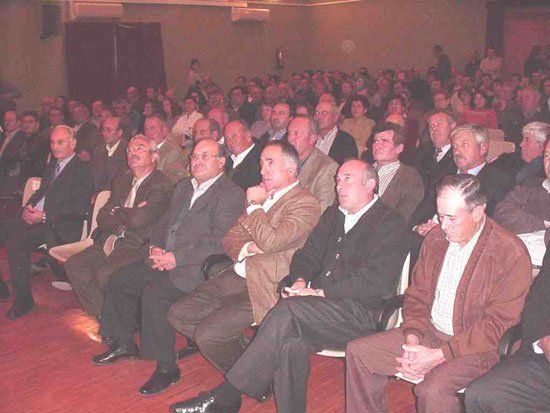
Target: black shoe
x,y
160,381
108,341
4,291
116,352
204,403
187,351
20,308
266,396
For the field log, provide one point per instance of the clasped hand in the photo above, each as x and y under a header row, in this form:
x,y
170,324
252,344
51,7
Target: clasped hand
x,y
32,216
162,260
298,289
418,360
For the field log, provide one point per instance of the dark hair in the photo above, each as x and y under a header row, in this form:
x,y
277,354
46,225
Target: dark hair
x,y
241,88
175,109
32,113
468,186
398,134
363,99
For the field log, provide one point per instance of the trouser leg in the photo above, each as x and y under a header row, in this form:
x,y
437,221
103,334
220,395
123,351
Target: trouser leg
x,y
518,384
213,315
123,291
304,324
369,362
157,335
80,269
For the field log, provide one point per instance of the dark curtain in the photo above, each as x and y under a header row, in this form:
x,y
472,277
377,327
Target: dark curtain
x,y
495,27
140,59
90,57
103,59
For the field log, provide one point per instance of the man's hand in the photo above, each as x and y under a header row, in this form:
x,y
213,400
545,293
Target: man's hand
x,y
256,194
154,250
254,249
291,291
163,262
85,156
32,216
424,360
424,228
544,344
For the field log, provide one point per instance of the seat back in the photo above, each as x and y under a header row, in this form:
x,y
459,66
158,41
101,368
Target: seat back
x,y
497,148
31,186
495,134
100,201
397,318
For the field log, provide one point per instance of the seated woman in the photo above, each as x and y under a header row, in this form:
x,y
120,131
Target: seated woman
x,y
481,113
359,126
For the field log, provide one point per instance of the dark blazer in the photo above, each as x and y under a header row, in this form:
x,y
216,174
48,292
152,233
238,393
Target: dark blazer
x,y
535,323
265,138
430,170
343,147
67,199
200,230
152,199
105,168
247,112
87,137
517,168
332,260
247,173
494,183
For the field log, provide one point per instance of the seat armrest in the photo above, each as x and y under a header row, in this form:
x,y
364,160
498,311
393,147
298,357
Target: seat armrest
x,y
385,310
508,340
211,261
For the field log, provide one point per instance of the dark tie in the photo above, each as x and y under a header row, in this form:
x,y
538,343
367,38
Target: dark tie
x,y
436,153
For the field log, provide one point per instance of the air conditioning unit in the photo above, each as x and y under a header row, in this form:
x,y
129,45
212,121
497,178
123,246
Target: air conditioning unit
x,y
245,14
84,11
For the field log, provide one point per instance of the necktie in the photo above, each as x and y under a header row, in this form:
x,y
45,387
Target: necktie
x,y
57,170
437,152
132,195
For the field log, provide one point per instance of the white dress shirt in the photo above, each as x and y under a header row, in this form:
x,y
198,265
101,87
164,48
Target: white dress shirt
x,y
325,143
199,190
111,149
237,159
351,219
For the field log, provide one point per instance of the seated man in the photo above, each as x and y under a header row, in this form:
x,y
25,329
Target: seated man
x,y
467,289
53,215
350,262
521,382
205,128
399,185
109,160
86,133
278,123
171,161
334,142
527,207
201,211
317,171
279,217
435,158
526,163
243,166
138,200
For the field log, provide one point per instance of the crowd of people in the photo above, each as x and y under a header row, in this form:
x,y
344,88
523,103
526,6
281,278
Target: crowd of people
x,y
316,188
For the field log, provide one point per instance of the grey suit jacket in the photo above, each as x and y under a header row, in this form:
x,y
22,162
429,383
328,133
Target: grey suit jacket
x,y
172,162
405,191
201,228
317,174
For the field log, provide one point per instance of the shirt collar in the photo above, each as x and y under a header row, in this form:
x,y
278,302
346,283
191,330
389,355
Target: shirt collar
x,y
476,170
361,212
237,159
333,131
281,192
205,185
546,184
112,149
65,161
161,144
389,167
473,240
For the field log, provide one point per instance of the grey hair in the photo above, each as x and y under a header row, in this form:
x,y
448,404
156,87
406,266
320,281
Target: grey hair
x,y
479,132
290,155
152,145
467,185
312,125
369,173
68,130
540,131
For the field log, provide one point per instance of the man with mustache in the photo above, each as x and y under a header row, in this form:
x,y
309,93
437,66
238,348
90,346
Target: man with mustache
x,y
138,199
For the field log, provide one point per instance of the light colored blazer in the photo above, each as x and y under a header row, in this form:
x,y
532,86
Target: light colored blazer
x,y
318,175
405,191
278,233
172,162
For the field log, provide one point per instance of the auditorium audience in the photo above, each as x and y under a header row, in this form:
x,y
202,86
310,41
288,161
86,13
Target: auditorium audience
x,y
467,289
331,294
492,64
86,133
52,216
359,126
202,209
262,125
480,113
138,199
183,128
205,128
278,122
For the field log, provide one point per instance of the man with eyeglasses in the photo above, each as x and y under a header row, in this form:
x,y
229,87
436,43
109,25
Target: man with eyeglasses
x,y
334,142
202,209
138,199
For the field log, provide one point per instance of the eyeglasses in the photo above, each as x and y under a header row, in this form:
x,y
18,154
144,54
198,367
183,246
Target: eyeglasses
x,y
323,112
202,156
